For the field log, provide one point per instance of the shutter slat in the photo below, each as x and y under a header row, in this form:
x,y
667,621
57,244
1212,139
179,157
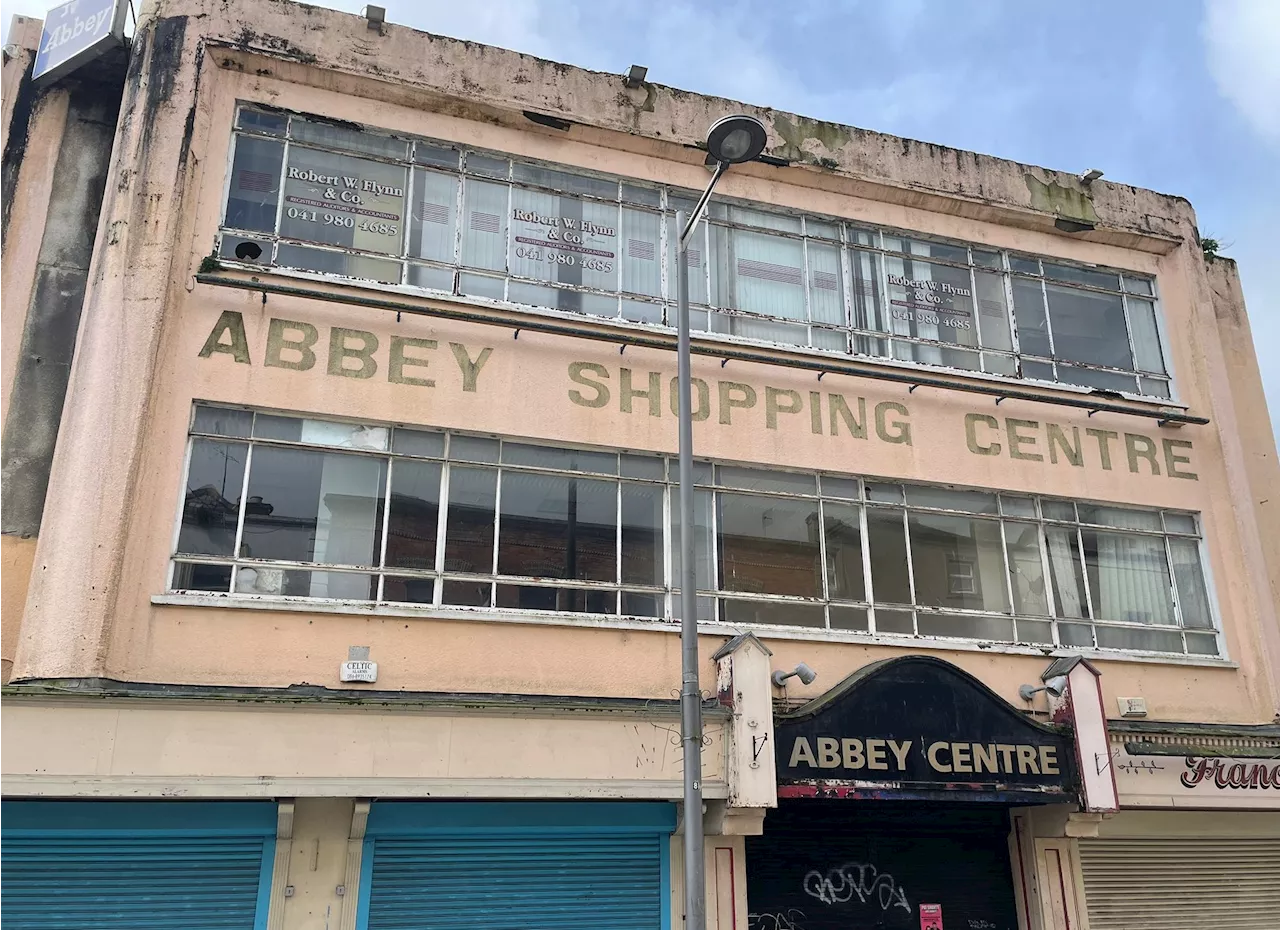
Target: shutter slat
x,y
1182,883
63,882
492,882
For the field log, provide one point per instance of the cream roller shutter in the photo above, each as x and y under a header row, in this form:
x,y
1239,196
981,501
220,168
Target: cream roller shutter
x,y
1182,883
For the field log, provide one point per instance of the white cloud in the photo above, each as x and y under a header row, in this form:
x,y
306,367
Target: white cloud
x,y
1242,45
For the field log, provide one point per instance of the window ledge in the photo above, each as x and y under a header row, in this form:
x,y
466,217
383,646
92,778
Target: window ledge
x,y
370,609
611,329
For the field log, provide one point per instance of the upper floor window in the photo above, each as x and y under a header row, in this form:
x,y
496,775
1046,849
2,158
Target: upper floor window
x,y
334,199
289,506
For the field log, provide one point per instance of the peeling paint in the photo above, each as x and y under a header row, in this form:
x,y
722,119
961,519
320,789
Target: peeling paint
x,y
1067,202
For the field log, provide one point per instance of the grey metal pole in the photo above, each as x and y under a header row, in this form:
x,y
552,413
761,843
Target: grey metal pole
x,y
695,898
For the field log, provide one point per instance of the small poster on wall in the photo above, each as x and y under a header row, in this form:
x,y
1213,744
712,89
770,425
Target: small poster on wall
x,y
930,917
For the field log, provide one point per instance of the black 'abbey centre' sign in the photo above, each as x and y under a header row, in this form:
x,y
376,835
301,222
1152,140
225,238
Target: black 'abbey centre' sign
x,y
920,727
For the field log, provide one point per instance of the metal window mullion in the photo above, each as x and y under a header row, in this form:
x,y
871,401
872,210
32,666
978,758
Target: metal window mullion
x,y
1173,592
442,523
822,557
406,234
846,276
284,171
911,571
866,563
622,249
244,497
1051,602
1010,313
1048,322
886,312
1128,332
497,522
386,524
617,569
1088,589
506,246
804,289
182,507
977,315
1008,574
668,568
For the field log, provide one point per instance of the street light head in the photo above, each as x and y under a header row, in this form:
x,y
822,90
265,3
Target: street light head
x,y
736,139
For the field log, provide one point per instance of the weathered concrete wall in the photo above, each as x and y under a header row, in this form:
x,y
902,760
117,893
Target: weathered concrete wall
x,y
103,558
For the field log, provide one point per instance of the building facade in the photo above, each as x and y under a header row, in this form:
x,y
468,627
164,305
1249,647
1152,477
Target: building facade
x,y
340,538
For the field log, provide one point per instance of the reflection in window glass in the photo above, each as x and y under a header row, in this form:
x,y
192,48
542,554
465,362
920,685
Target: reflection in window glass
x,y
415,512
642,534
255,184
1128,577
958,562
887,541
1066,572
1193,597
1088,327
1026,570
468,540
215,479
842,525
769,545
555,527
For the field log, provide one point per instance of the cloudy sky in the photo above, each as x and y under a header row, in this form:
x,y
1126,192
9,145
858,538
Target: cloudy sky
x,y
1182,96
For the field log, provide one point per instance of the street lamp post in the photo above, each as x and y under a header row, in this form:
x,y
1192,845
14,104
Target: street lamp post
x,y
730,141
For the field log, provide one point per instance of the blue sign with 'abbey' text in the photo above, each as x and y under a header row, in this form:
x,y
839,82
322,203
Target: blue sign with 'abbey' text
x,y
77,32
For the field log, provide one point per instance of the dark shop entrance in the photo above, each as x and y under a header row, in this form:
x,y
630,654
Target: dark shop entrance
x,y
894,792
858,865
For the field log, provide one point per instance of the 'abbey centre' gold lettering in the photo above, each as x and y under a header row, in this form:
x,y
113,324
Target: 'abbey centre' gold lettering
x,y
868,756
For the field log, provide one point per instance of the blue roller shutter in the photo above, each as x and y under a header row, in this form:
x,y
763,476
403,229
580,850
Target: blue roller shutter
x,y
158,865
535,866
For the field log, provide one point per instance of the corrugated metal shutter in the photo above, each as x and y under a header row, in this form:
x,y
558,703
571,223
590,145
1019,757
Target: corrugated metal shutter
x,y
532,866
499,882
1182,883
171,868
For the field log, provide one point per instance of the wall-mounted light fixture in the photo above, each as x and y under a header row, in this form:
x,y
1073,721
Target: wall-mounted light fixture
x,y
1091,175
375,16
635,76
1054,687
801,671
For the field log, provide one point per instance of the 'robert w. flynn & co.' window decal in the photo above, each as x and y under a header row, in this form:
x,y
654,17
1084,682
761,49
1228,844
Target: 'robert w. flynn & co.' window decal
x,y
310,195
292,506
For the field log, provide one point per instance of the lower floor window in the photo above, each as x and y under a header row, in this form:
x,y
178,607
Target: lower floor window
x,y
298,507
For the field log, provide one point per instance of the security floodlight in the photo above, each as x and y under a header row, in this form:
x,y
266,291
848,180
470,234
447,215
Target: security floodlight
x,y
635,77
1090,176
736,139
801,671
1054,687
375,16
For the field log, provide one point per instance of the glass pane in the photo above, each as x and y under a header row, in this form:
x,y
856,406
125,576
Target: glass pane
x,y
426,154
642,604
895,621
1202,644
648,196
695,260
417,442
704,607
1119,517
1146,338
958,562
473,449
415,511
779,613
1024,265
1028,311
409,590
243,249
351,139
261,121
641,312
641,271
1040,371
1026,569
1193,597
1017,506
969,626
215,480
1179,522
935,355
484,225
564,239
992,310
565,600
642,466
1091,377
999,364
556,527
987,259
757,273
487,165
343,200
468,593
833,340
468,544
1076,634
306,506
269,426
848,618
642,549
222,421
1112,637
1137,285
769,545
1034,631
474,285
826,293
753,328
754,479
840,487
255,184
825,230
193,576
601,463
886,493
566,182
843,528
434,215
347,265
293,582
869,311
887,541
332,433
1066,573
1128,577
946,499
931,301
1058,510
1154,387
1072,275
1088,327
